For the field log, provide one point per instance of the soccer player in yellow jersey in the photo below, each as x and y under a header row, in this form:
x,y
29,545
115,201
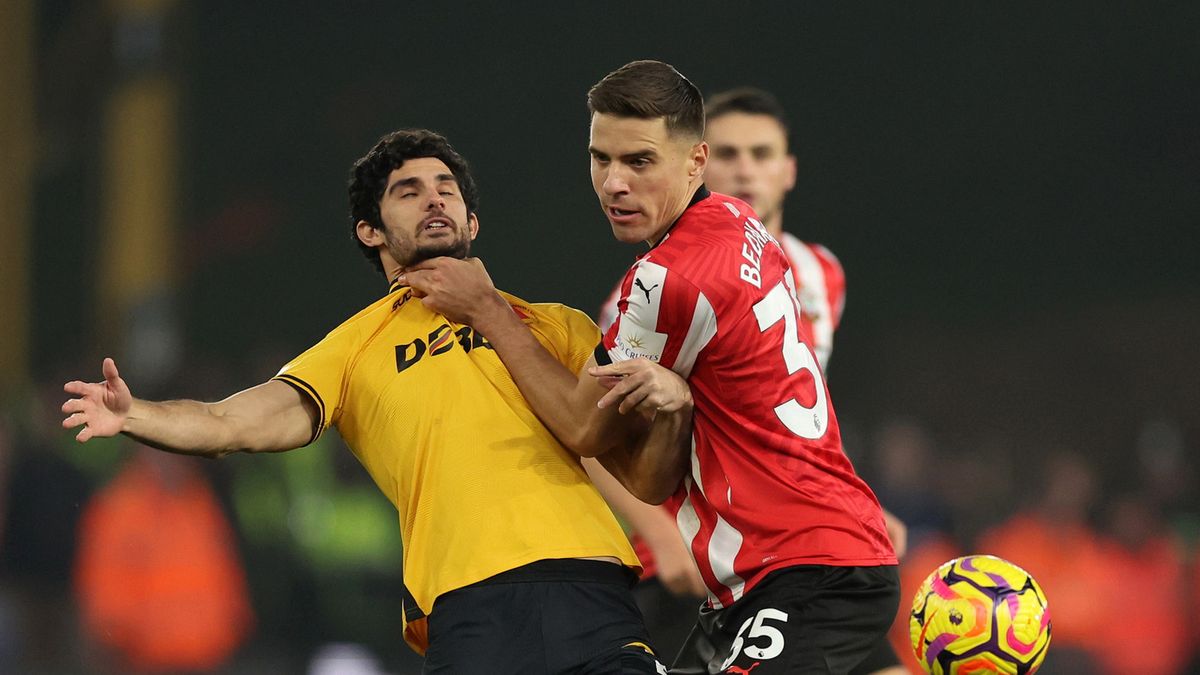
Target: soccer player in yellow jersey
x,y
508,549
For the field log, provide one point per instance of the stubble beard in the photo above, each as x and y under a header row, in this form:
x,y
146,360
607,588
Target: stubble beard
x,y
459,247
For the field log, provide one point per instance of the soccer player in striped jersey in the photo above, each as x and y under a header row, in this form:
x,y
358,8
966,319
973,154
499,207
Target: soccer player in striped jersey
x,y
747,133
789,541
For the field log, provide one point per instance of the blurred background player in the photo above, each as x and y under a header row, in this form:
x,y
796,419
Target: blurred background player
x,y
747,133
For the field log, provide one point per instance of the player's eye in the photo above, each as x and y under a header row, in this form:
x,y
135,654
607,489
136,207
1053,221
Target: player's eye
x,y
639,162
446,193
406,195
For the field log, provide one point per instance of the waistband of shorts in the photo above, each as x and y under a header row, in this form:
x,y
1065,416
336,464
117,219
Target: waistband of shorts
x,y
564,569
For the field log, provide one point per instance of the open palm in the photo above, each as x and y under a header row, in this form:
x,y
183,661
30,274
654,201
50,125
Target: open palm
x,y
101,407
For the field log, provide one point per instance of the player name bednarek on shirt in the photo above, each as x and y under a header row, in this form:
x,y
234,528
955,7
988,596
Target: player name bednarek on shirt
x,y
770,486
430,411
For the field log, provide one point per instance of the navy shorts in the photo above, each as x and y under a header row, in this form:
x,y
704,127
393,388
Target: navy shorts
x,y
551,616
806,619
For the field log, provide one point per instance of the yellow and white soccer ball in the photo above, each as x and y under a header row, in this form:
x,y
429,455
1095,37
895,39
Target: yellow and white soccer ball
x,y
980,614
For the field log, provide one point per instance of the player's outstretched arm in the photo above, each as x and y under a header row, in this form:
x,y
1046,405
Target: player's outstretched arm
x,y
269,417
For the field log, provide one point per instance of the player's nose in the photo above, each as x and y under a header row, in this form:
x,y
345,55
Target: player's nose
x,y
615,183
436,202
743,166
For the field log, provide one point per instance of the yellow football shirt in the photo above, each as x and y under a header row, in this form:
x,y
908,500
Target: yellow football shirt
x,y
429,409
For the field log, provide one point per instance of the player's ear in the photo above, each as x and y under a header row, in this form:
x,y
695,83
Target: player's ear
x,y
368,234
473,225
698,160
789,179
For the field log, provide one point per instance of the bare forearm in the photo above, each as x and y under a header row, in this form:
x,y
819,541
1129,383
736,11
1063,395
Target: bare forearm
x,y
184,427
653,464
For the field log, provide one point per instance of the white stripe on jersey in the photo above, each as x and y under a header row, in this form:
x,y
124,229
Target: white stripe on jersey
x,y
723,546
637,334
723,549
703,328
687,520
813,294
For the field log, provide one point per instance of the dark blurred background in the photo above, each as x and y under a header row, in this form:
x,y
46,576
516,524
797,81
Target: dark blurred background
x,y
1014,192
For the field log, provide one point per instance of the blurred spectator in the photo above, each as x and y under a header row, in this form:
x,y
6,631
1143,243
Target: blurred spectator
x,y
41,503
160,584
1143,604
907,478
1054,542
980,486
1169,477
328,551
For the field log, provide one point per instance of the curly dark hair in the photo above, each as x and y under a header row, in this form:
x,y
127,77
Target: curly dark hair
x,y
368,177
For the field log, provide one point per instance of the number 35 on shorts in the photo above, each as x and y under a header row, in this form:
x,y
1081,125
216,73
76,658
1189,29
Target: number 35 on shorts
x,y
757,638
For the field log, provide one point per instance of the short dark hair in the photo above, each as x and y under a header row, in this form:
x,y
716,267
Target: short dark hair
x,y
368,177
647,90
750,101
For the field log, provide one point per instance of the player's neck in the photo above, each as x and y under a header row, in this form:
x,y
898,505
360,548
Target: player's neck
x,y
774,224
675,213
391,270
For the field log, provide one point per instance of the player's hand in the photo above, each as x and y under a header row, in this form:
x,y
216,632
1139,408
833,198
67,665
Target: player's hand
x,y
460,290
644,386
897,532
677,571
101,408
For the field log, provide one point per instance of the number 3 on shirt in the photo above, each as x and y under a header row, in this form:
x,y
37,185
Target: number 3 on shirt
x,y
781,303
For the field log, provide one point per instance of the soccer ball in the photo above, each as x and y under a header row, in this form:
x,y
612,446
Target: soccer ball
x,y
980,614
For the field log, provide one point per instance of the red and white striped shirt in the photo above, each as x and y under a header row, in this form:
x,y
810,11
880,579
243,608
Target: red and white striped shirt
x,y
820,285
770,486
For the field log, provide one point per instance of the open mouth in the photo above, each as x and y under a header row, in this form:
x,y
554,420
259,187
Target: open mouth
x,y
436,224
621,214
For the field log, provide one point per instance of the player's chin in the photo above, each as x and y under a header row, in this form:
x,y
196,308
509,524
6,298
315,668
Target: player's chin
x,y
628,234
459,248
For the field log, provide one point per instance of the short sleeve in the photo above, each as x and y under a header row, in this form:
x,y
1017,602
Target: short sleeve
x,y
667,319
570,336
320,373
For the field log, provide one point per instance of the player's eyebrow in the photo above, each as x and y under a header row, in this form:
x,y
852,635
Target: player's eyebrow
x,y
413,181
639,154
761,150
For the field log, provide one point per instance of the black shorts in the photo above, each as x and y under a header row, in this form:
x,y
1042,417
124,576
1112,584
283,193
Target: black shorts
x,y
810,619
880,658
551,616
